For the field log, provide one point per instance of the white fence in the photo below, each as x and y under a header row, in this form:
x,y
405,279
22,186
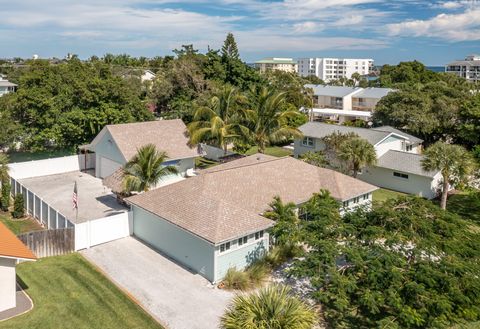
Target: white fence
x,y
52,166
103,230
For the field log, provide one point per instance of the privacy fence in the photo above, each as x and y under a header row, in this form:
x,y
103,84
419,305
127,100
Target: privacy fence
x,y
50,242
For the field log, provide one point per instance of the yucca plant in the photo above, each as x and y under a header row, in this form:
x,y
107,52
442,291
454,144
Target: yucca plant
x,y
235,279
273,307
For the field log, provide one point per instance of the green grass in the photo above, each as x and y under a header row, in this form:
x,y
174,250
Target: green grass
x,y
19,226
202,163
68,292
382,195
275,151
30,156
466,204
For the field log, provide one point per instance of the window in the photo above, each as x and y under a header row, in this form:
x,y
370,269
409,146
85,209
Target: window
x,y
345,204
409,148
307,141
242,240
356,200
258,235
400,175
365,197
225,246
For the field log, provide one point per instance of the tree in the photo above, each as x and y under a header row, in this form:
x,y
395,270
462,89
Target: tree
x,y
469,117
314,158
218,122
267,120
454,163
230,49
356,77
145,170
286,229
4,169
5,196
272,307
18,206
359,153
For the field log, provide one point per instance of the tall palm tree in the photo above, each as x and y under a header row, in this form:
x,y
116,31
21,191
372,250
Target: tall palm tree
x,y
4,177
217,123
272,307
454,163
268,120
146,169
358,152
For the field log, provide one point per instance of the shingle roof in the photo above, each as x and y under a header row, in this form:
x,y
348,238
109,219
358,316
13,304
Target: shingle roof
x,y
334,91
225,202
373,92
411,138
404,162
167,135
11,246
321,130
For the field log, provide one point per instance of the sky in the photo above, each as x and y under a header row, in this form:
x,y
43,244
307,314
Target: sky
x,y
434,32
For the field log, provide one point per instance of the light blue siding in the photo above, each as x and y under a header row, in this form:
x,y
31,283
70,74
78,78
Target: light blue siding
x,y
240,256
187,249
108,149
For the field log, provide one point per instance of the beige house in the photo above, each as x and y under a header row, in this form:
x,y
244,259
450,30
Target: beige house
x,y
277,63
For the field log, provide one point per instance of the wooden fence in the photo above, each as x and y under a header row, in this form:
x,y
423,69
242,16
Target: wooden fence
x,y
50,242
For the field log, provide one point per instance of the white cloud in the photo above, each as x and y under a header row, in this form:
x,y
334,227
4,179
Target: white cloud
x,y
306,27
450,27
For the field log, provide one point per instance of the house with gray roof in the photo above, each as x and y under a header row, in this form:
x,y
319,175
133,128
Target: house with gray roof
x,y
398,156
6,87
213,221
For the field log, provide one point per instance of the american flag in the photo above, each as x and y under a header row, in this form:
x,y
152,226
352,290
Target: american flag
x,y
75,197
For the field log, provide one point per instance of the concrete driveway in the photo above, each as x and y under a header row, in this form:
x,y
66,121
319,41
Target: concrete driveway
x,y
176,297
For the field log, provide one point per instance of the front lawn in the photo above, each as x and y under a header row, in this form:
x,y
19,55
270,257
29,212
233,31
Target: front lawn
x,y
275,151
382,195
19,226
465,204
68,292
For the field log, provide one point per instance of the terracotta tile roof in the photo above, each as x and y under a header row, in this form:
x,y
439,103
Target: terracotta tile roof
x,y
226,201
11,246
167,135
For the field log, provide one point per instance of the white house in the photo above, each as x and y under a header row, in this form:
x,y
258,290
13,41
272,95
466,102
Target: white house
x,y
147,75
398,156
329,69
6,87
468,69
277,63
340,104
12,250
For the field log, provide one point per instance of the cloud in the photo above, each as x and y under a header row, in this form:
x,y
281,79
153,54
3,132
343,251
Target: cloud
x,y
449,27
306,27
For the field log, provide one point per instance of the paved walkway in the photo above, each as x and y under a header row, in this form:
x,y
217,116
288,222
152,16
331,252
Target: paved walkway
x,y
172,294
24,304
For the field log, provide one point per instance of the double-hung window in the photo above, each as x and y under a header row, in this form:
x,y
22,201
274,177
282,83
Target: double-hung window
x,y
258,235
308,142
225,246
243,240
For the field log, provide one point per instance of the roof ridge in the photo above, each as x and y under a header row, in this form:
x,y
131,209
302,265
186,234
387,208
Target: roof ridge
x,y
246,165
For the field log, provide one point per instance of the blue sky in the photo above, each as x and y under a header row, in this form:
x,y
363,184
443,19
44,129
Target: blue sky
x,y
434,32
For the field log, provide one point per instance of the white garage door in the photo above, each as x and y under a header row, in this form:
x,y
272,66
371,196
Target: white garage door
x,y
108,167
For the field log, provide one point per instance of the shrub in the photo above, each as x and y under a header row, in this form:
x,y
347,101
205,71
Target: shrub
x,y
5,197
281,253
235,279
258,272
18,206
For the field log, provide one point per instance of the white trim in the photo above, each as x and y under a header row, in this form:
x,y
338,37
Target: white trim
x,y
331,111
19,258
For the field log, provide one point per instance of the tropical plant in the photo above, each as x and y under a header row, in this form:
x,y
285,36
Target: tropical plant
x,y
314,158
273,307
4,177
235,279
146,169
217,123
286,228
268,120
359,153
5,196
18,206
454,162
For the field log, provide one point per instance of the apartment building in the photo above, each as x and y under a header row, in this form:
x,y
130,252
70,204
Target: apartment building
x,y
277,63
340,104
329,69
468,69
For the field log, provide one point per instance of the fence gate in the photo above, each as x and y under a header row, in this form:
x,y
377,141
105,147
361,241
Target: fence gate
x,y
50,242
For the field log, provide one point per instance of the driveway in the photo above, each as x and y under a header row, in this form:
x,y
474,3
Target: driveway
x,y
178,298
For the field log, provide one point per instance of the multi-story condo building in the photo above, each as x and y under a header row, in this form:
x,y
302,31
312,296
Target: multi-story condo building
x,y
6,86
468,69
342,104
277,63
329,69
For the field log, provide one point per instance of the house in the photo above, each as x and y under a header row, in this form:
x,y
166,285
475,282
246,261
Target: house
x,y
213,221
6,86
115,145
468,69
147,75
398,156
12,250
277,63
329,69
337,103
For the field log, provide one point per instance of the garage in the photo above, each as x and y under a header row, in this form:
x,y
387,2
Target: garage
x,y
107,167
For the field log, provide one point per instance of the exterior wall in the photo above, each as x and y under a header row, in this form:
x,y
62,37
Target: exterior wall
x,y
107,148
182,246
390,143
415,184
366,104
240,257
8,297
213,152
185,164
352,204
299,149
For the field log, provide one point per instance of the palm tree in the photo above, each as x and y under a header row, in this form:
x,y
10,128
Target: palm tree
x,y
4,177
267,119
218,122
146,169
358,152
454,163
272,307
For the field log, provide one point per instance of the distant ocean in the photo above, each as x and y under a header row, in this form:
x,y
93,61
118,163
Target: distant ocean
x,y
436,68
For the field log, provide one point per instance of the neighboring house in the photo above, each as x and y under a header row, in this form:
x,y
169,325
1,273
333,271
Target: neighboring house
x,y
6,87
12,250
115,145
212,222
329,69
148,75
337,103
468,69
277,63
398,153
